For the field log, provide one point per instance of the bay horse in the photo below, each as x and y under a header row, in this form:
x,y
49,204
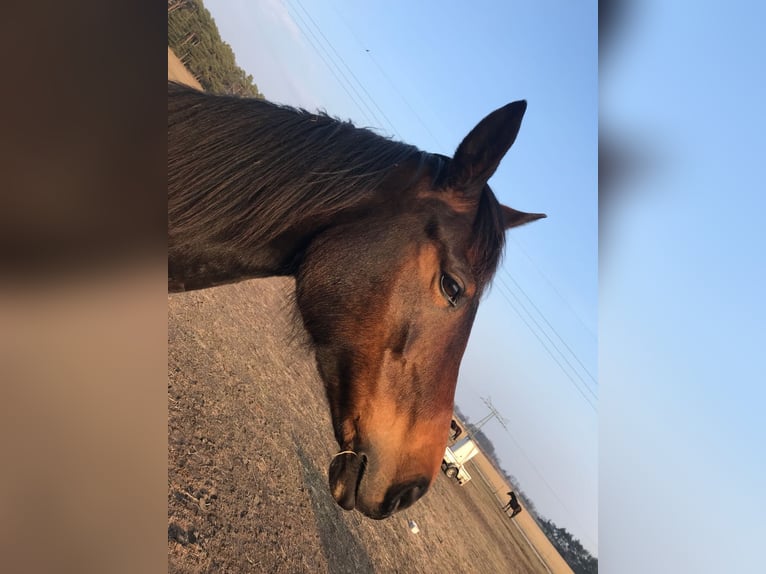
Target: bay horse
x,y
390,247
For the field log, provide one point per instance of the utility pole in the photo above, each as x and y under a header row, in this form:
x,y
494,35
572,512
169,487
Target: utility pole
x,y
493,414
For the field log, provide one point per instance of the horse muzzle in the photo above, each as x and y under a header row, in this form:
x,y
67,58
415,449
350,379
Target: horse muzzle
x,y
353,486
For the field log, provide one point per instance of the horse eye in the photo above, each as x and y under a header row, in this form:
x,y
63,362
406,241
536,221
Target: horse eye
x,y
451,289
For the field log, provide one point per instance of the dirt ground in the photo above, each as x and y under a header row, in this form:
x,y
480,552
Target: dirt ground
x,y
249,444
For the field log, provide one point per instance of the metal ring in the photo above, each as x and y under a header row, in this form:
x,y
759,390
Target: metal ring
x,y
344,452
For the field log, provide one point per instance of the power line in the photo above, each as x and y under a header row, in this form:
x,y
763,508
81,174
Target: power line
x,y
350,84
552,328
305,30
389,80
552,286
374,103
547,349
524,320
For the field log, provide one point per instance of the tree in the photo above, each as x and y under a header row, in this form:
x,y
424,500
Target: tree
x,y
571,549
194,37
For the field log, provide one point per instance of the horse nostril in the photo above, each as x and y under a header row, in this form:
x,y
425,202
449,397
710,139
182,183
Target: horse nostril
x,y
346,470
409,496
403,495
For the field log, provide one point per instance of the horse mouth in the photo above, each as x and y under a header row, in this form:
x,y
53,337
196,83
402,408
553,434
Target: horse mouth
x,y
348,469
346,472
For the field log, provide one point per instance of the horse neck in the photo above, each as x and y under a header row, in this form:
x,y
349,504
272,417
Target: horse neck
x,y
200,261
256,248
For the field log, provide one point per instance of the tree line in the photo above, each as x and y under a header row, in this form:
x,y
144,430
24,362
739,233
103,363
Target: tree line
x,y
193,36
571,549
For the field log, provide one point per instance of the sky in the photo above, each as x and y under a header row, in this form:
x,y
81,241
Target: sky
x,y
426,73
682,319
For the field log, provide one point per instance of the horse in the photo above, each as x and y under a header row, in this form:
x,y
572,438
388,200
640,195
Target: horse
x,y
390,247
513,503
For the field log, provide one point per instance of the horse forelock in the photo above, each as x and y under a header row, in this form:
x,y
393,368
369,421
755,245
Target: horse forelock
x,y
488,238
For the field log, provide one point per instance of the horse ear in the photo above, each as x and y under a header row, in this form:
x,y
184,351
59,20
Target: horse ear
x,y
478,156
513,218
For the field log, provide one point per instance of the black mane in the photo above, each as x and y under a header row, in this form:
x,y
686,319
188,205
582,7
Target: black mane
x,y
247,170
235,161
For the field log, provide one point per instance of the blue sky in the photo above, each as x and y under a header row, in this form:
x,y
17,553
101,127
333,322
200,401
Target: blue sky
x,y
426,73
682,314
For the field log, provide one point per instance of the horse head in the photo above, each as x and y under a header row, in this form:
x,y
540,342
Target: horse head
x,y
388,296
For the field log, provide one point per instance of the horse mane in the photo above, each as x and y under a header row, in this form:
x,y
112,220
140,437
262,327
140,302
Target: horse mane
x,y
247,170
